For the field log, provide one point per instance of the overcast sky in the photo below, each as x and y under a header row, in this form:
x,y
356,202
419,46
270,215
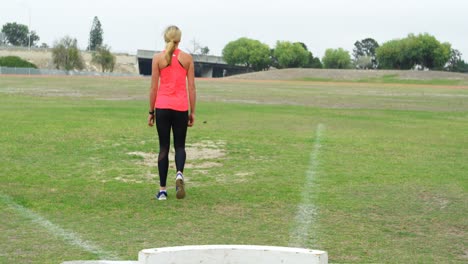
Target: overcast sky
x,y
130,25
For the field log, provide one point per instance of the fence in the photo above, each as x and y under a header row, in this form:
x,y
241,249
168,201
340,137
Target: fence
x,y
32,71
39,49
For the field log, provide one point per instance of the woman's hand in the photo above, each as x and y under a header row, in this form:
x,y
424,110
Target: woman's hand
x,y
191,119
151,120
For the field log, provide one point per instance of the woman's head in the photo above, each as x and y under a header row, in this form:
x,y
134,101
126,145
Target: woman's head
x,y
172,36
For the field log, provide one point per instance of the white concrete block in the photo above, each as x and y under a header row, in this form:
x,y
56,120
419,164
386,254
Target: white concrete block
x,y
231,254
99,262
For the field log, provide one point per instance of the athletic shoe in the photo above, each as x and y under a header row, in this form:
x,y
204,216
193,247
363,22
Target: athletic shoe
x,y
162,195
180,186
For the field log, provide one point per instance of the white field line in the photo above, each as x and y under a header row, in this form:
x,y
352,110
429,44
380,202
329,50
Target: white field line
x,y
299,235
68,236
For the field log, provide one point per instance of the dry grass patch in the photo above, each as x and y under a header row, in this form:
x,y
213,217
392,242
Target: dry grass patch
x,y
201,157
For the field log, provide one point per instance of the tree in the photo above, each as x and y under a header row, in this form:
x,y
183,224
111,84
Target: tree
x,y
390,56
66,55
198,49
291,55
336,59
205,50
313,62
16,34
433,54
248,52
461,67
455,63
104,58
423,50
455,58
34,38
95,35
364,50
19,35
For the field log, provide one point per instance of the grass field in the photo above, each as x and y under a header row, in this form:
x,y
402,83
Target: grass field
x,y
371,172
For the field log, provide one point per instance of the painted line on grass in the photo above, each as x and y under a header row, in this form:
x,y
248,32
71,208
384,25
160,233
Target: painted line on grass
x,y
306,211
68,236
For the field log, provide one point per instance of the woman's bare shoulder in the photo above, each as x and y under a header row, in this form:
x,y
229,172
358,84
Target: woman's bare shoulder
x,y
158,55
160,60
185,55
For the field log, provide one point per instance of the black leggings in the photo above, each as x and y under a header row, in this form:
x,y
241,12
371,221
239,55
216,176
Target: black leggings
x,y
165,120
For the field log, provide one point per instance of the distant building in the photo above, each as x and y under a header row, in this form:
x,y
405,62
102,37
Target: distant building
x,y
207,66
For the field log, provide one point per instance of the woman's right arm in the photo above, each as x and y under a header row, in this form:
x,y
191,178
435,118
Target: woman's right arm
x,y
153,89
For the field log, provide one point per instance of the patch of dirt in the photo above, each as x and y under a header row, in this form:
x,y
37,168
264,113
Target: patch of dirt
x,y
456,231
149,159
42,92
434,201
130,180
243,174
207,165
231,210
206,149
201,157
465,256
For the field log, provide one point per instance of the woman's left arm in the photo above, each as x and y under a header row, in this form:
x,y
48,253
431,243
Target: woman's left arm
x,y
154,89
192,93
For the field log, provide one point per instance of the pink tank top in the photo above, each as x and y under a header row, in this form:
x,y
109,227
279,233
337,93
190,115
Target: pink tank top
x,y
172,92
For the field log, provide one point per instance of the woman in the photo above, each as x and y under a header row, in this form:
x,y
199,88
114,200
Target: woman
x,y
171,97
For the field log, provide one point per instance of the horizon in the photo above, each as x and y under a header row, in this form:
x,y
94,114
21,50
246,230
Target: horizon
x,y
320,25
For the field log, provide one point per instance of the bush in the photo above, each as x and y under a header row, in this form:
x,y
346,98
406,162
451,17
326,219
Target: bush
x,y
104,58
66,55
15,61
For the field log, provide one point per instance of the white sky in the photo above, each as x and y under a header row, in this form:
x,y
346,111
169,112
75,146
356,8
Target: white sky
x,y
138,24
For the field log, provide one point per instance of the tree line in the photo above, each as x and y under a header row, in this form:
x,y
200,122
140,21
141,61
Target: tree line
x,y
65,52
421,51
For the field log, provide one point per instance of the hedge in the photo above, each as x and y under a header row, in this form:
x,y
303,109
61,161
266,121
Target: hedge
x,y
15,61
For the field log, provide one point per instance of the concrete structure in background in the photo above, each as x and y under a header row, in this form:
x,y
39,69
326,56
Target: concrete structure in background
x,y
207,66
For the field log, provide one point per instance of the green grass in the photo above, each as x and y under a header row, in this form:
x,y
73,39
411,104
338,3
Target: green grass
x,y
390,187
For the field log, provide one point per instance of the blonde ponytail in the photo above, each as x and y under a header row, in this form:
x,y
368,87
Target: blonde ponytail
x,y
170,48
172,36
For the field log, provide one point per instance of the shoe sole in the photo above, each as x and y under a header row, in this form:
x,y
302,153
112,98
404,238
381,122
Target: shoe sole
x,y
180,189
